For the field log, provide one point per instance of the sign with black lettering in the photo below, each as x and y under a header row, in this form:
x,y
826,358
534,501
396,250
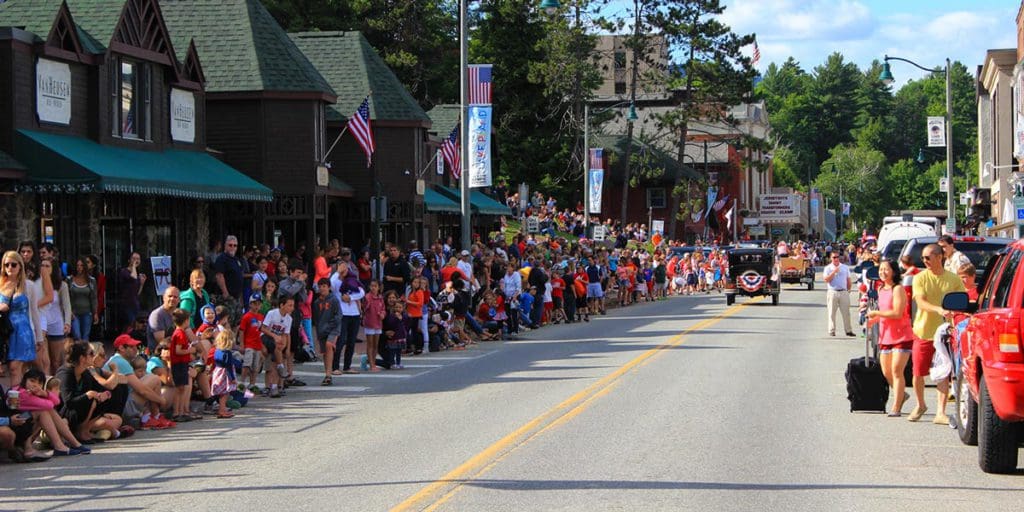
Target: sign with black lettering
x,y
53,92
183,116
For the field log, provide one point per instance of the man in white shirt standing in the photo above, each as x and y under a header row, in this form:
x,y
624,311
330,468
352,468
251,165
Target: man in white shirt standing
x,y
837,277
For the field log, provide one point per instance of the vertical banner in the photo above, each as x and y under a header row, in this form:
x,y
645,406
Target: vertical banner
x,y
479,146
936,131
161,273
440,163
814,206
595,178
712,195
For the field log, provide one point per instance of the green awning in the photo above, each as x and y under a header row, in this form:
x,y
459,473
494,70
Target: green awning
x,y
437,202
62,163
338,188
482,203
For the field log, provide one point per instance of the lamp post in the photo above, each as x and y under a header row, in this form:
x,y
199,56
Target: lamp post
x,y
842,205
550,7
586,155
886,77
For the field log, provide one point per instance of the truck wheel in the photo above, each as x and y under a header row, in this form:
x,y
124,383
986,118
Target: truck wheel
x,y
775,299
997,440
730,299
966,416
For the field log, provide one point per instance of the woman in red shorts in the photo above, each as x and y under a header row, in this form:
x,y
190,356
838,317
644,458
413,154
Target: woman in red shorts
x,y
895,336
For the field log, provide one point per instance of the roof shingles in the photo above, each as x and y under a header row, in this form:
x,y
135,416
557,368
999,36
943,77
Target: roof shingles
x,y
354,69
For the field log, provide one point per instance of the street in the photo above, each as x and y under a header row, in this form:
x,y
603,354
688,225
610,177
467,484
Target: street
x,y
683,404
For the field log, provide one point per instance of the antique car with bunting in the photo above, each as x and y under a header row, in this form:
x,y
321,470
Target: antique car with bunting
x,y
796,270
752,273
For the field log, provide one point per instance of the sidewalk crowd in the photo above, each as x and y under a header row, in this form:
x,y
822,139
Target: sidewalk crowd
x,y
246,317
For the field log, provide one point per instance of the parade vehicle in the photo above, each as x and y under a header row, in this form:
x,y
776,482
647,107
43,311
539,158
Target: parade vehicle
x,y
978,249
752,273
895,235
796,270
988,362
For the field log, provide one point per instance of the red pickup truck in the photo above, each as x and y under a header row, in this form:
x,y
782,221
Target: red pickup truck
x,y
989,362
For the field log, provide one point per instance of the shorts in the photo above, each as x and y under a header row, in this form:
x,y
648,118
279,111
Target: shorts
x,y
322,343
268,343
253,360
623,283
557,301
370,331
921,355
179,372
55,337
905,347
594,291
458,324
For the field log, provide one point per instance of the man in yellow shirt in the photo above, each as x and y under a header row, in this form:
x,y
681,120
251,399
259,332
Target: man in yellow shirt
x,y
930,286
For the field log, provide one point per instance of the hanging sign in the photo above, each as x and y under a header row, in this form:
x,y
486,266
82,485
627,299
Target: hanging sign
x,y
479,146
183,116
53,92
595,178
936,131
161,273
440,163
943,185
657,226
1018,110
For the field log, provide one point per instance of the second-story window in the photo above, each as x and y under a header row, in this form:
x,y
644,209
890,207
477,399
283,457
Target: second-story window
x,y
131,100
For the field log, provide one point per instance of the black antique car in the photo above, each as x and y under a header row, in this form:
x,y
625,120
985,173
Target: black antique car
x,y
752,272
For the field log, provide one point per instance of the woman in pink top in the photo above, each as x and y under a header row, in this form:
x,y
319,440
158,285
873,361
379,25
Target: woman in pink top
x,y
895,336
373,316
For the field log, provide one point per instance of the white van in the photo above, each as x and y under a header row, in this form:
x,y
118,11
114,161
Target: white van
x,y
893,236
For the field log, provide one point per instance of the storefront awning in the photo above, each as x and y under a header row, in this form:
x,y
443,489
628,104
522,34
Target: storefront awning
x,y
61,163
338,188
438,203
482,203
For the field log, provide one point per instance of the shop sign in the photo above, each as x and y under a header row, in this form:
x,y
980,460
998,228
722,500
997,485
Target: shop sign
x,y
53,92
183,116
780,208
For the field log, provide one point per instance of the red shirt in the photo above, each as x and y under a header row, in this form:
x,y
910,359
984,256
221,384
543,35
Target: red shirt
x,y
250,328
557,287
180,341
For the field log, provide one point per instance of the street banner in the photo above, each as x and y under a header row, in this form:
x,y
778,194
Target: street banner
x,y
657,226
161,273
596,180
814,206
440,163
712,195
479,146
846,209
943,185
936,131
1018,110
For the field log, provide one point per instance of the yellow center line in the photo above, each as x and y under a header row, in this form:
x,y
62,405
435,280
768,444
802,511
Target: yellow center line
x,y
557,415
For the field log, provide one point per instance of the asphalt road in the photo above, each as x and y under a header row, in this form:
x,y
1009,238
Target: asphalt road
x,y
683,404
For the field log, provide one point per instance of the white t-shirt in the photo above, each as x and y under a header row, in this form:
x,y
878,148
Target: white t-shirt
x,y
547,292
278,324
838,281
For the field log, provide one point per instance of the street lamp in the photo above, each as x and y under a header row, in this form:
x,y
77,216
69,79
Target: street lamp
x,y
630,117
886,77
549,6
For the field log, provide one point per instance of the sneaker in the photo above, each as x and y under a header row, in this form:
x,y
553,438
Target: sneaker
x,y
275,393
265,392
364,363
81,450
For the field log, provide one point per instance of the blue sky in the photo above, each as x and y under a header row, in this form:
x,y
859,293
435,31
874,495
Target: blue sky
x,y
923,31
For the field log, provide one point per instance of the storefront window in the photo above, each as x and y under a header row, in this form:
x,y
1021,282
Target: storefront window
x,y
131,96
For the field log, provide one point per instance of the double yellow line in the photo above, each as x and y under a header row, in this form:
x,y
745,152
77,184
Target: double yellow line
x,y
482,462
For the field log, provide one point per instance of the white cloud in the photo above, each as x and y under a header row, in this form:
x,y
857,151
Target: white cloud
x,y
789,20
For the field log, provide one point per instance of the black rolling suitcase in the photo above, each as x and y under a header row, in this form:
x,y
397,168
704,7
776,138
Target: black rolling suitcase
x,y
866,387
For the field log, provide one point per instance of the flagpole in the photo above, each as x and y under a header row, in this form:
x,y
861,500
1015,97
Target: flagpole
x,y
732,219
336,140
464,124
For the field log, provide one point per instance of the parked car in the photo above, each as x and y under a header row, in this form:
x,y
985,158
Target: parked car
x,y
978,249
989,362
752,272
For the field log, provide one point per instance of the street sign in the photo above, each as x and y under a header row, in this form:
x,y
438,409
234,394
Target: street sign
x,y
599,233
378,208
657,226
1020,213
532,224
950,226
322,176
943,185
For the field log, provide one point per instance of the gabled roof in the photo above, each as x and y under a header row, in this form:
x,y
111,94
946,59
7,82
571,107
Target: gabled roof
x,y
444,117
242,47
354,69
617,144
95,19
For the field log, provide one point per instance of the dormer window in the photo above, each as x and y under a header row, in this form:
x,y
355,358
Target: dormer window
x,y
131,100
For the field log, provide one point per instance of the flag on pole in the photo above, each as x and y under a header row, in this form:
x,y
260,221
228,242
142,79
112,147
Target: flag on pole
x,y
720,203
359,125
728,216
450,151
480,84
757,55
596,158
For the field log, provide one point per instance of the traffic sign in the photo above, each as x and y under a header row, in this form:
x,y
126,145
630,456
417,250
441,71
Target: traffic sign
x,y
532,224
599,233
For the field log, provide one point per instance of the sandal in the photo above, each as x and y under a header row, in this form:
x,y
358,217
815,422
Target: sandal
x,y
225,415
350,371
327,381
336,372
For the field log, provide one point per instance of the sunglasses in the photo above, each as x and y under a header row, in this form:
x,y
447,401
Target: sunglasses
x,y
11,264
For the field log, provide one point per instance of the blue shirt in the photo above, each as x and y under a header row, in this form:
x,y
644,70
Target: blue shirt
x,y
123,366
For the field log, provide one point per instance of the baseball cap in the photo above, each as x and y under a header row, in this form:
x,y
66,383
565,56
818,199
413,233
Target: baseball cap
x,y
464,253
255,298
125,339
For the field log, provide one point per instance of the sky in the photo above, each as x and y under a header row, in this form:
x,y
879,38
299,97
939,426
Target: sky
x,y
924,31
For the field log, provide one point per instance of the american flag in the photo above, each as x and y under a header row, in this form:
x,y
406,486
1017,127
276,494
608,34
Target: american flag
x,y
359,125
596,158
757,55
129,123
480,84
450,152
720,203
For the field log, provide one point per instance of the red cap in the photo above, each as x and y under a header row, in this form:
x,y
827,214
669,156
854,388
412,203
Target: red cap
x,y
125,339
